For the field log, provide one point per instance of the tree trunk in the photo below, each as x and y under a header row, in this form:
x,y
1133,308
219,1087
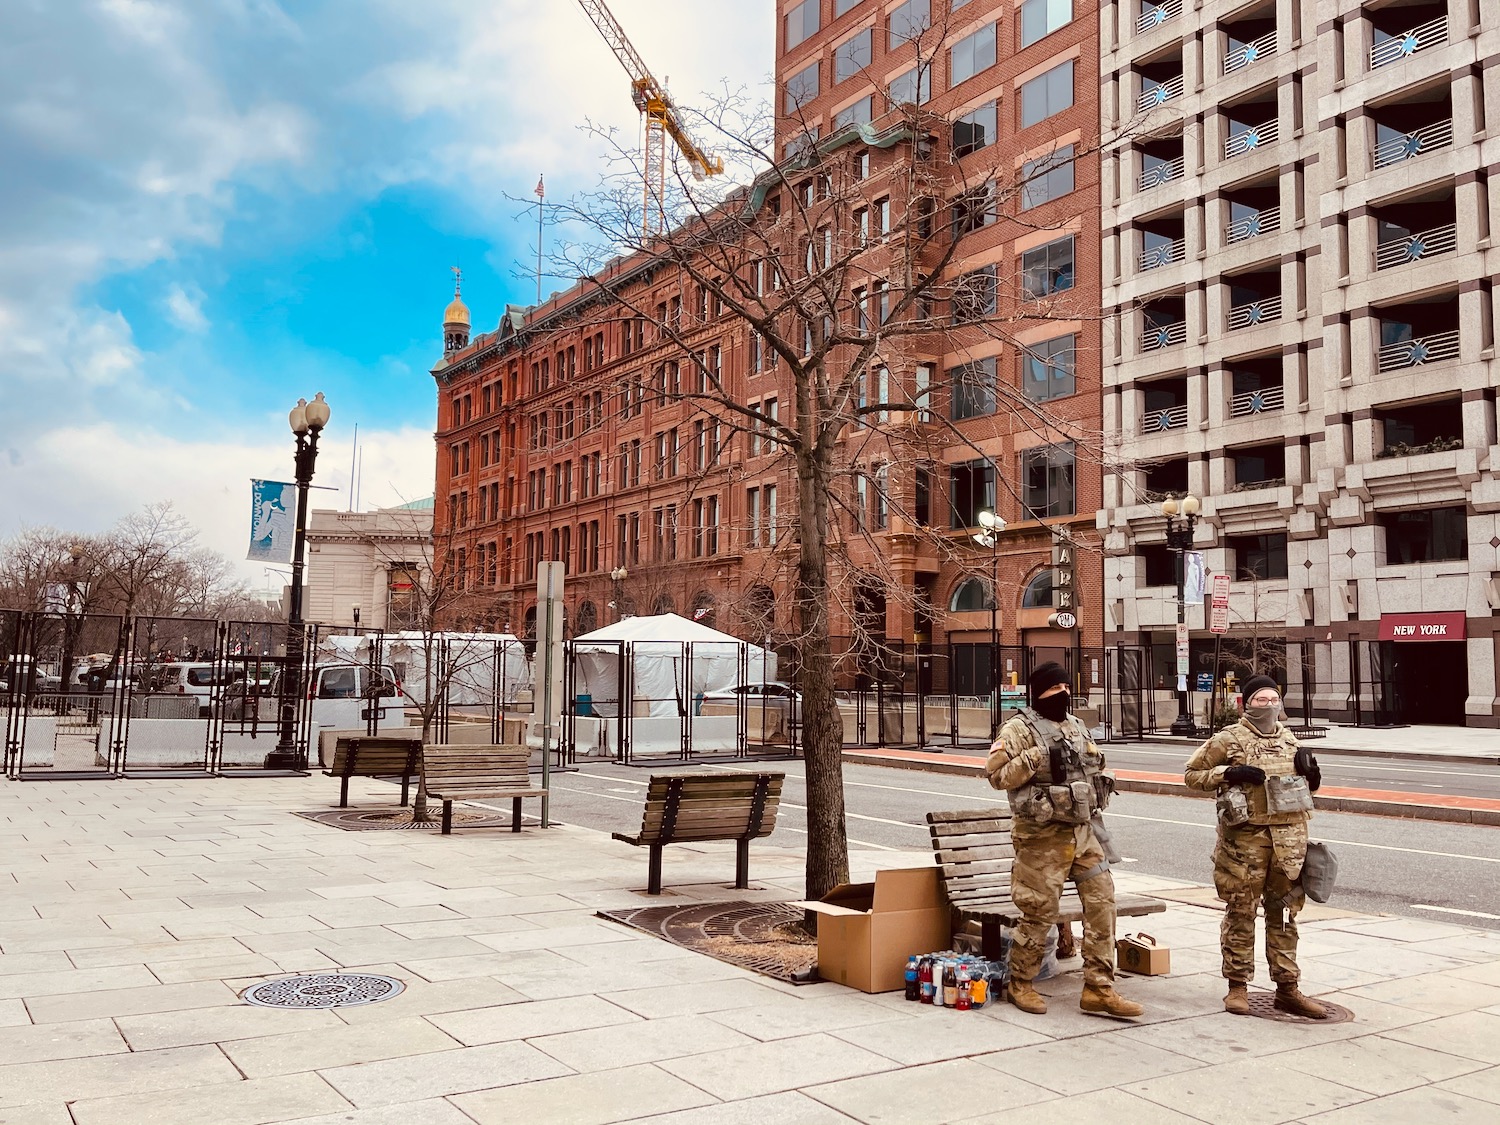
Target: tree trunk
x,y
420,813
823,727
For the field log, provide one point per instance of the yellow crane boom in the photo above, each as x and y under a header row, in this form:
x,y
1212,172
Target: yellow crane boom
x,y
661,120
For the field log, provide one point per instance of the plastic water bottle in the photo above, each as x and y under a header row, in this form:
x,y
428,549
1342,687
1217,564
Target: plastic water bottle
x,y
924,979
913,984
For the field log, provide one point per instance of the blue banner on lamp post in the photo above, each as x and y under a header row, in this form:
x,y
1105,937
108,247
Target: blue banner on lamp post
x,y
273,508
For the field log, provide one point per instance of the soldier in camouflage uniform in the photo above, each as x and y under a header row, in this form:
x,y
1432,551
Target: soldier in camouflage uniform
x,y
1259,859
1056,844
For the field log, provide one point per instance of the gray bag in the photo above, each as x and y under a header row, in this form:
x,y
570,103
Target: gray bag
x,y
1320,870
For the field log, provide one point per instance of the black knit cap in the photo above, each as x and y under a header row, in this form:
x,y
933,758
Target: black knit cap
x,y
1046,676
1255,684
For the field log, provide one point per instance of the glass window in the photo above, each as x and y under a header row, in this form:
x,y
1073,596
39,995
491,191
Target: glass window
x,y
1047,94
912,88
842,6
1259,556
974,130
859,113
1040,18
802,21
970,595
1429,535
1046,178
1038,593
908,21
973,210
1156,565
973,491
974,295
1048,269
1048,368
973,389
972,54
1047,477
853,55
801,88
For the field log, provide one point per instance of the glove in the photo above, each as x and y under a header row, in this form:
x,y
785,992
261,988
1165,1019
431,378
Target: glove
x,y
1307,766
1245,775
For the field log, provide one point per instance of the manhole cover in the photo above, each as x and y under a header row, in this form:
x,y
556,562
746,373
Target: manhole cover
x,y
396,820
323,990
761,936
1262,1004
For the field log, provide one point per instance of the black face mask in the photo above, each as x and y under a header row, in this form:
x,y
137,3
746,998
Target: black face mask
x,y
1054,707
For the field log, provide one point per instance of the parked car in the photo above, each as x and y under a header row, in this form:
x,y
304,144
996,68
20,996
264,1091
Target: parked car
x,y
761,693
192,679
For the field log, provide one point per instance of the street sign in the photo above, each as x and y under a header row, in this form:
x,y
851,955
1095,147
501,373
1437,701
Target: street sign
x,y
1182,648
1062,576
1062,619
1218,610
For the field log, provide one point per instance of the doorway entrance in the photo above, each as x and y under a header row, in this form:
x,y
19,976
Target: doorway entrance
x,y
1429,682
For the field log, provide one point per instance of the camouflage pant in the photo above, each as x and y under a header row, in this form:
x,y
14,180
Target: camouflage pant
x,y
1046,857
1258,865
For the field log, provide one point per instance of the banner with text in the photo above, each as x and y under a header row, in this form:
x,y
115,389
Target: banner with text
x,y
273,530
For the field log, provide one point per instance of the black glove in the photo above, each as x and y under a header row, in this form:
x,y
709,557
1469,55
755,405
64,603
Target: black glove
x,y
1245,775
1307,766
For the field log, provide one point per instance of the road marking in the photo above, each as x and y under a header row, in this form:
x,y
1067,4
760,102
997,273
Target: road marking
x,y
1455,910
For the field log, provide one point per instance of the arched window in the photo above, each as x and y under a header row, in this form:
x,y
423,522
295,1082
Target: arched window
x,y
588,618
969,595
664,604
1038,593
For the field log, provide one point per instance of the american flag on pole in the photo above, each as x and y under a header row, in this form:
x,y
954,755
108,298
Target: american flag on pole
x,y
541,188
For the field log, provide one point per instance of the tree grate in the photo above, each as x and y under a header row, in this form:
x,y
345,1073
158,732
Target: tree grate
x,y
759,936
1262,1004
398,819
323,990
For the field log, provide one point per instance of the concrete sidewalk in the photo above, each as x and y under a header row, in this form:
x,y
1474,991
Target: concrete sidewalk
x,y
138,910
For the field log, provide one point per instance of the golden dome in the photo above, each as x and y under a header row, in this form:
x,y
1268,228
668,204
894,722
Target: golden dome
x,y
456,313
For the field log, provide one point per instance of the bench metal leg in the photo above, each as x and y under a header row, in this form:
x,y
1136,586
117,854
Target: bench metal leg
x,y
405,788
447,818
990,944
742,865
515,814
344,792
653,876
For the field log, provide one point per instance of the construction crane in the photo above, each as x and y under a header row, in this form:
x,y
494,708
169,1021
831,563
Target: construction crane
x,y
660,119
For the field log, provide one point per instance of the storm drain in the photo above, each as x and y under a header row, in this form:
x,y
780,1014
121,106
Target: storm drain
x,y
1262,1004
323,990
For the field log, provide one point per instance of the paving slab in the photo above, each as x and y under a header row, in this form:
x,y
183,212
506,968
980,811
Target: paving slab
x,y
437,1075
649,1041
255,1102
128,1001
588,1099
1482,1084
1377,1065
1114,1106
784,1064
530,1020
1247,1092
1112,1061
1430,1104
172,1069
343,1045
920,1095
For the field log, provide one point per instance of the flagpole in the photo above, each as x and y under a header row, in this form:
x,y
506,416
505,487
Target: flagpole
x,y
541,194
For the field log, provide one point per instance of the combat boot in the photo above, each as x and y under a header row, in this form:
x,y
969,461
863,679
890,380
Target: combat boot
x,y
1027,998
1105,1001
1289,998
1237,1003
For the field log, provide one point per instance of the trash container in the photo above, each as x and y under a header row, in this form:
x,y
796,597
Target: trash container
x,y
583,705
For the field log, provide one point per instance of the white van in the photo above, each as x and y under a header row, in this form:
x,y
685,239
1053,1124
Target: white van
x,y
192,679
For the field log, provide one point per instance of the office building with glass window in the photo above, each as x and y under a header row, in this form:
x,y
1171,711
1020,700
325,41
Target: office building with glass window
x,y
1300,329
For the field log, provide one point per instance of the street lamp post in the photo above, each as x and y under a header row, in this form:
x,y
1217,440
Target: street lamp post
x,y
72,619
1180,541
990,537
617,576
307,420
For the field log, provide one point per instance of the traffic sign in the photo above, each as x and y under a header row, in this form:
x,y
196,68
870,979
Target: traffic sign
x,y
1218,610
1182,648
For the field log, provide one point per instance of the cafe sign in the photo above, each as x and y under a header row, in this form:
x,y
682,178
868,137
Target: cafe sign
x,y
1422,626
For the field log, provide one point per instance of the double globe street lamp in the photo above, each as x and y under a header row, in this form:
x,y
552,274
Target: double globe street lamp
x,y
307,420
1182,517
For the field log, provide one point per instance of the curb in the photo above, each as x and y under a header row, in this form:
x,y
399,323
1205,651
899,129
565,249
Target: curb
x,y
1320,746
1395,809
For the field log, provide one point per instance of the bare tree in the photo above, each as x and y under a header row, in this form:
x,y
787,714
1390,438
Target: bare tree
x,y
840,269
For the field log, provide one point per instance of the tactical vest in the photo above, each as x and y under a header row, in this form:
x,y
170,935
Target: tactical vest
x,y
1070,785
1276,754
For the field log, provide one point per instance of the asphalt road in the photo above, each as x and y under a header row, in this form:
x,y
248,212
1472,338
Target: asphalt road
x,y
1347,768
1420,869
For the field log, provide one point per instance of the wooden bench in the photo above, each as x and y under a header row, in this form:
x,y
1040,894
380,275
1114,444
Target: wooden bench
x,y
686,807
374,756
974,850
479,773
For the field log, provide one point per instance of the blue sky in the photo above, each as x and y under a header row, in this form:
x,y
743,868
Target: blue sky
x,y
211,207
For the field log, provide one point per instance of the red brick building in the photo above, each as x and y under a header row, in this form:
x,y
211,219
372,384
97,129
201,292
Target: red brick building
x,y
560,437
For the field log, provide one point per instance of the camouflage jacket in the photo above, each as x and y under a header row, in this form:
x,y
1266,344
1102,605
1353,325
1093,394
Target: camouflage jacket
x,y
1243,745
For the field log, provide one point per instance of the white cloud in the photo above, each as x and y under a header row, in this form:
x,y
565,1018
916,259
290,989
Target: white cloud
x,y
186,309
85,478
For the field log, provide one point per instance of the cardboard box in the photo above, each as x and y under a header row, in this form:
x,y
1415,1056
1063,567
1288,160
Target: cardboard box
x,y
866,931
1139,953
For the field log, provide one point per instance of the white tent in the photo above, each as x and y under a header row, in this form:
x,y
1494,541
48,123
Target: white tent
x,y
482,668
668,659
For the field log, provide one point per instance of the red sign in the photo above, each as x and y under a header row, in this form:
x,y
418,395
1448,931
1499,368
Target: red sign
x,y
1422,626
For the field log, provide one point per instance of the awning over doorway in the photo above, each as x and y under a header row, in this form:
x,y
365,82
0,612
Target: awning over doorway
x,y
1445,626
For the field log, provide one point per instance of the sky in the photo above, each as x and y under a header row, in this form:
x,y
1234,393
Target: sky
x,y
210,208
